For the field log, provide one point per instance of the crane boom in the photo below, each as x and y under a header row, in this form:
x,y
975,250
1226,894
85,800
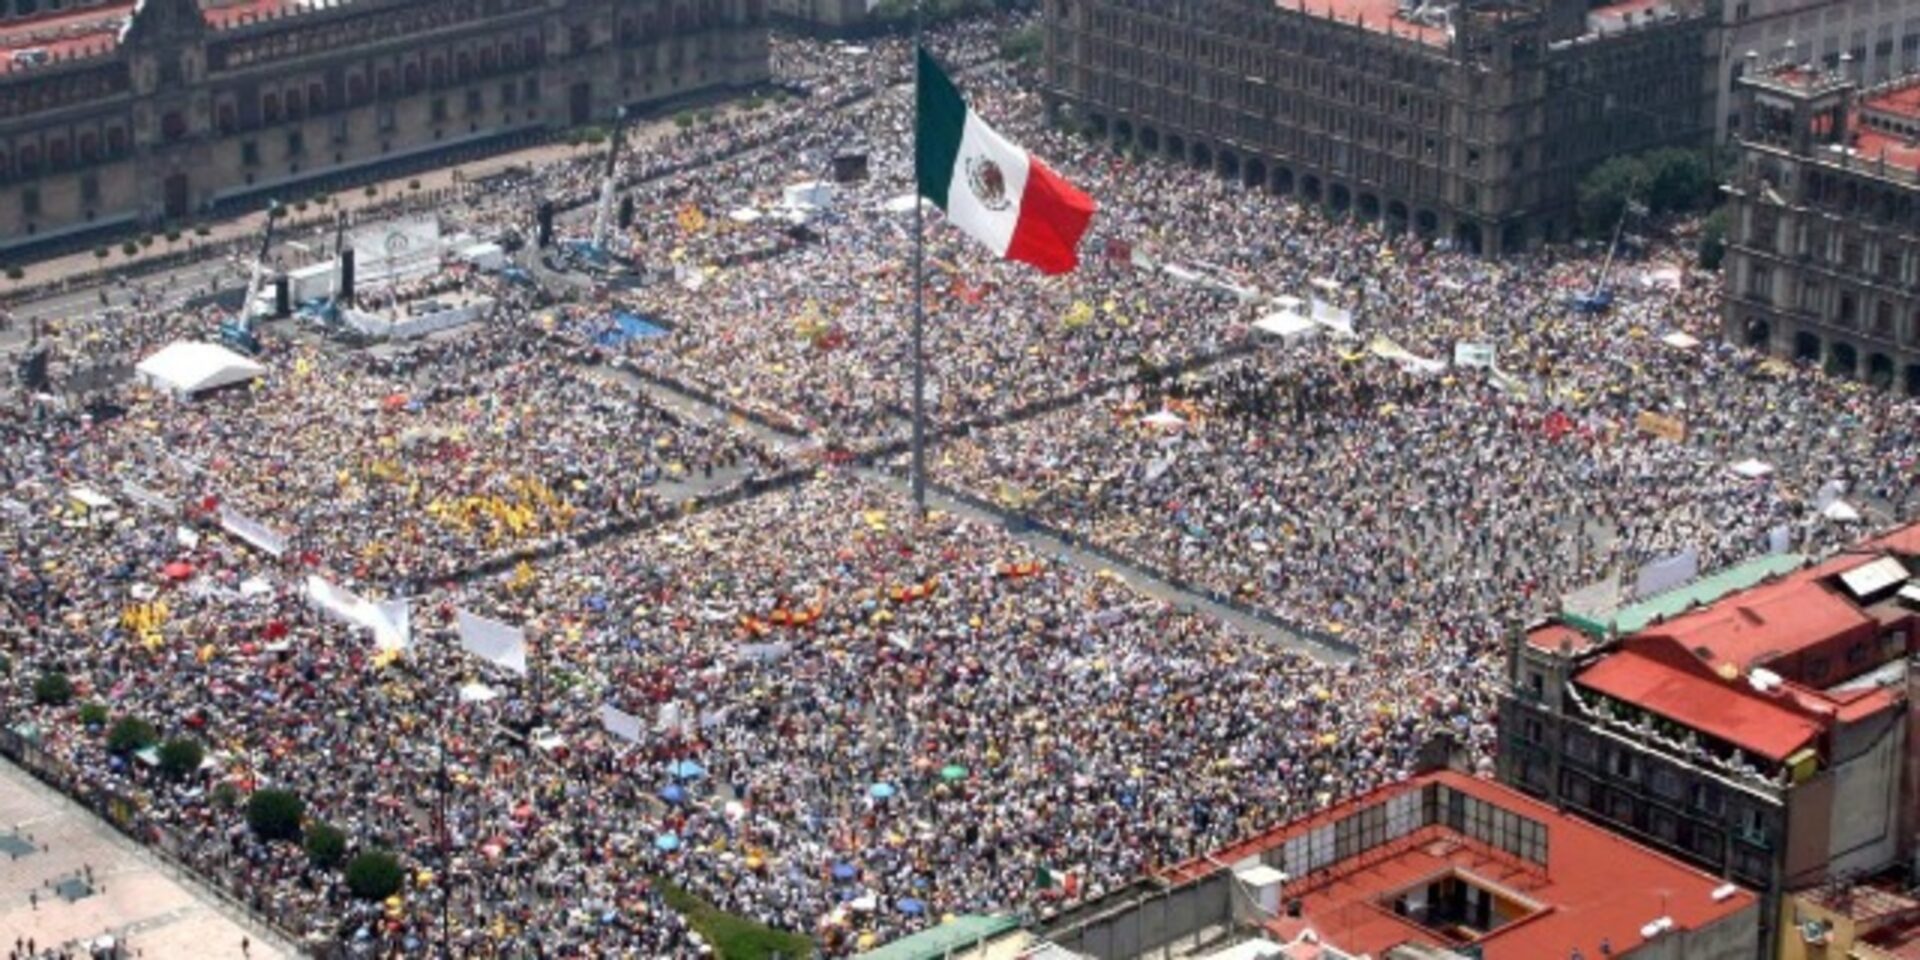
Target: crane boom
x,y
259,269
603,217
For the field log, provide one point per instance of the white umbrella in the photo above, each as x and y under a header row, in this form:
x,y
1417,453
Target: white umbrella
x,y
1163,418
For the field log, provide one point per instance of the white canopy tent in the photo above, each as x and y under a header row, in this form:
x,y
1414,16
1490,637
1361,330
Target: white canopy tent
x,y
1288,325
187,367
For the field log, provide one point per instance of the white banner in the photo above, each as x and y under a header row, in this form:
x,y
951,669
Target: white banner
x,y
145,497
1779,539
1337,319
391,621
1667,573
1473,354
252,531
620,723
497,643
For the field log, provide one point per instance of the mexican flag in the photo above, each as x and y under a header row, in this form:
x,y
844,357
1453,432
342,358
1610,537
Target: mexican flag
x,y
991,188
1059,883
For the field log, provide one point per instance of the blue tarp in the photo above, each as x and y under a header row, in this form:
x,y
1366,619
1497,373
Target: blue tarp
x,y
625,327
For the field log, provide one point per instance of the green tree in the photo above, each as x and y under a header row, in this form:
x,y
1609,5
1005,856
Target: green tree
x,y
226,796
374,875
1713,239
683,120
180,757
1603,193
100,253
1679,180
52,689
129,734
15,273
275,814
326,845
93,714
1024,46
129,248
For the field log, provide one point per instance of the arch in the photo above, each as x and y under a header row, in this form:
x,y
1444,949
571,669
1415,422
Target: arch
x,y
1310,188
462,66
1283,181
270,107
1396,216
1229,165
489,60
437,71
316,97
1176,147
1149,139
1339,198
1466,236
1426,223
1256,172
29,159
1202,156
410,77
1880,370
1843,360
1759,334
1513,238
1913,379
296,104
1806,346
1123,132
57,152
1097,124
1368,206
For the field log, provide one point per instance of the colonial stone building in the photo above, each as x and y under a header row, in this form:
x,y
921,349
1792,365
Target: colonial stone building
x,y
1822,262
1466,119
823,16
1881,39
118,115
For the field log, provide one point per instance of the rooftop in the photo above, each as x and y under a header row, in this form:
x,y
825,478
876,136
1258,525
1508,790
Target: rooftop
x,y
1635,616
1696,698
1562,891
1380,16
94,31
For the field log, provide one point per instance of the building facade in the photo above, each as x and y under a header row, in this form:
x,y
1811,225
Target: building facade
x,y
1881,38
1822,261
118,116
823,16
1469,120
1767,736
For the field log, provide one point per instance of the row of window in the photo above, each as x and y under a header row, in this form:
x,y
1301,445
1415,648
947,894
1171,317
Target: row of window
x,y
1706,842
62,150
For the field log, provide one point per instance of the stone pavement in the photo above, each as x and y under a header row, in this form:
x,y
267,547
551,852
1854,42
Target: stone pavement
x,y
47,846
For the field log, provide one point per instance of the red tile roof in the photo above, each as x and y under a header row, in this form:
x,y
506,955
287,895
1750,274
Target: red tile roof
x,y
1729,710
94,31
1550,636
1750,628
1580,892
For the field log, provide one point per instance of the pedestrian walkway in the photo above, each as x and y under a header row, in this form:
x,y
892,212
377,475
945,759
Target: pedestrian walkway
x,y
68,878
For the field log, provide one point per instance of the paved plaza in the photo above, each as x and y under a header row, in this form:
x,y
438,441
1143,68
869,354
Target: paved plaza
x,y
47,848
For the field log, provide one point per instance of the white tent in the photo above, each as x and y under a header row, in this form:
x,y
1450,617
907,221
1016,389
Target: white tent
x,y
1680,340
1165,419
1840,511
1752,469
187,367
1288,325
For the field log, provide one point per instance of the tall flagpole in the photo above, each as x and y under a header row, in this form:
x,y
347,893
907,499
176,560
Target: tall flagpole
x,y
919,294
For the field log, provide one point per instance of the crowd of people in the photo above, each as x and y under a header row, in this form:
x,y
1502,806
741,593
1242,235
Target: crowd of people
x,y
811,706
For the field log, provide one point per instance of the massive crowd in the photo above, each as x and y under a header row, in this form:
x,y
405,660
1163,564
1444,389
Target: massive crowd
x,y
851,721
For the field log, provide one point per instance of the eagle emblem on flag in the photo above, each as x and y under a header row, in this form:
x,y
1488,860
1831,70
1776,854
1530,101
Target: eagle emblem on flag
x,y
988,182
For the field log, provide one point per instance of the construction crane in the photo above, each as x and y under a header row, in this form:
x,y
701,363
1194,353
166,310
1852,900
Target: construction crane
x,y
237,331
603,217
